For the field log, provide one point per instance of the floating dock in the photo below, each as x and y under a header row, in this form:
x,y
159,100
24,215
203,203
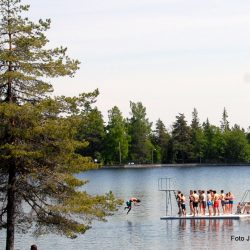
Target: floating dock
x,y
168,185
207,217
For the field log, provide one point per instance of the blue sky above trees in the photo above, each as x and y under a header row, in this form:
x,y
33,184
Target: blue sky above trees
x,y
172,55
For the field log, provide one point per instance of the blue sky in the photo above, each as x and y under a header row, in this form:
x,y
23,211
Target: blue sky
x,y
171,55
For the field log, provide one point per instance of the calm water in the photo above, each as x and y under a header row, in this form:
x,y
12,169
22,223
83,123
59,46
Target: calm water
x,y
142,227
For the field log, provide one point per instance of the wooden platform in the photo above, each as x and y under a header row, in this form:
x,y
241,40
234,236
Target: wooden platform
x,y
207,217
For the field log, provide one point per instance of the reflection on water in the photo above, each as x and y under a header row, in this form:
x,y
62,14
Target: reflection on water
x,y
205,234
142,227
205,225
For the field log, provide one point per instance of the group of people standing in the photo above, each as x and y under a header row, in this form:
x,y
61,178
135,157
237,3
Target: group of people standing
x,y
201,201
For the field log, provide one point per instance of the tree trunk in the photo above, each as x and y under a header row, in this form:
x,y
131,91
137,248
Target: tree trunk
x,y
12,170
11,209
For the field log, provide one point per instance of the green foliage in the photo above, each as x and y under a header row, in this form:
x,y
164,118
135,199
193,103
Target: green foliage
x,y
161,140
224,121
42,148
236,146
117,139
198,142
186,144
91,129
139,131
24,60
214,144
181,135
197,138
38,135
195,124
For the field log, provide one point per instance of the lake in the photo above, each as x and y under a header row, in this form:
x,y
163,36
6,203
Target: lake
x,y
142,227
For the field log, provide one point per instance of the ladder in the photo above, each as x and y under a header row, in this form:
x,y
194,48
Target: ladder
x,y
168,185
245,198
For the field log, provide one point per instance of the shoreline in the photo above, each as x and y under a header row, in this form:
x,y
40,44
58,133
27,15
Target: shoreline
x,y
173,165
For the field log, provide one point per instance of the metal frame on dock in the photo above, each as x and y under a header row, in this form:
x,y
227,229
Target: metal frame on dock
x,y
168,185
246,197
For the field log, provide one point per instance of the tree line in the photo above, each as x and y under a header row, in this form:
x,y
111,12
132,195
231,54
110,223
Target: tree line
x,y
133,140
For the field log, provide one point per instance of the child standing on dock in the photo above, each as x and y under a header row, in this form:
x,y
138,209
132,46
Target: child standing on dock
x,y
196,202
200,201
183,205
231,202
216,203
203,202
209,203
191,202
222,200
226,204
178,199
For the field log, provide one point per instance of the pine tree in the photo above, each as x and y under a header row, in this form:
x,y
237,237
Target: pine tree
x,y
181,136
214,145
92,130
37,135
162,139
224,122
117,139
24,61
195,120
139,131
197,137
237,149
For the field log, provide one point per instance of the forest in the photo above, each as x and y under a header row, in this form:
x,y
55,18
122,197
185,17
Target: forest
x,y
133,140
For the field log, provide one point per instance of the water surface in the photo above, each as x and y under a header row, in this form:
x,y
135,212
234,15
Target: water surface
x,y
142,227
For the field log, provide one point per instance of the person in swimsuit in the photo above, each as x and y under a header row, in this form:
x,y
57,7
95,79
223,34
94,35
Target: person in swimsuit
x,y
209,203
239,208
191,202
231,202
129,203
135,200
178,198
222,200
196,202
183,205
246,207
216,203
200,201
226,203
203,202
